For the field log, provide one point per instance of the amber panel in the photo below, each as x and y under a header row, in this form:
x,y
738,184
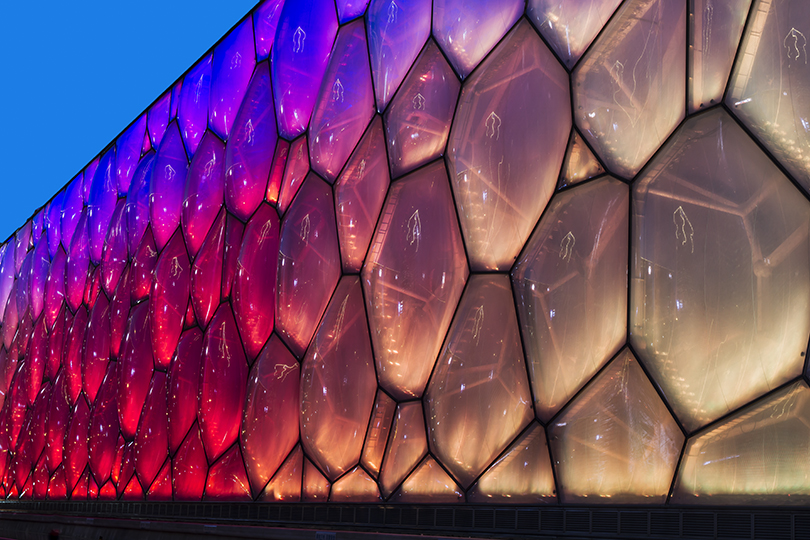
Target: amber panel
x,y
406,446
377,436
355,486
429,483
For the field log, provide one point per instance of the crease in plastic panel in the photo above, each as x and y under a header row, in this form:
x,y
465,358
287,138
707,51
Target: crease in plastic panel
x,y
227,480
295,173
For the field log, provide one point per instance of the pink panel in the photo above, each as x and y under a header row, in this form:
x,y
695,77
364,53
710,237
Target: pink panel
x,y
309,263
55,286
223,383
254,287
418,121
206,272
136,370
338,383
277,171
193,107
429,483
161,489
120,447
168,299
56,342
227,480
77,263
127,468
356,486
58,419
103,436
349,9
133,491
189,320
286,484
6,276
96,348
53,225
36,359
39,417
140,273
57,490
119,312
72,209
297,168
92,287
137,207
189,464
413,280
166,186
345,103
24,284
107,492
316,486
152,439
378,429
73,354
406,446
40,264
115,250
75,457
11,318
184,383
270,420
40,480
204,191
359,195
22,241
247,160
234,229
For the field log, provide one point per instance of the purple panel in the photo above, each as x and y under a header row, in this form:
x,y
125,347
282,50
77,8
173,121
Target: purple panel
x,y
78,263
248,153
277,171
168,299
23,288
104,427
56,342
35,361
204,191
89,172
11,317
194,97
308,263
93,286
159,118
265,21
101,204
127,153
72,209
22,241
396,33
175,100
350,9
206,273
40,265
190,465
166,186
73,353
119,312
6,275
53,222
96,347
234,60
140,274
184,383
304,39
297,168
136,370
151,441
233,242
345,103
254,287
137,208
37,223
114,258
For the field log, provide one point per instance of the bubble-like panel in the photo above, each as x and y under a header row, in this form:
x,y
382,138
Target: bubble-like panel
x,y
193,107
407,445
204,191
429,483
231,68
580,164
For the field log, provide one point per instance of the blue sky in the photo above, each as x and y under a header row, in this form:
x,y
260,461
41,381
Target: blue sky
x,y
74,74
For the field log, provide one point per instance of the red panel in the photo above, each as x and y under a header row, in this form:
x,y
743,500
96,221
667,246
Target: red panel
x,y
35,362
161,489
169,298
228,480
184,383
57,489
119,313
277,171
96,347
140,274
107,492
78,262
73,353
136,370
152,440
75,457
133,491
58,418
233,242
104,427
206,273
189,468
56,342
55,286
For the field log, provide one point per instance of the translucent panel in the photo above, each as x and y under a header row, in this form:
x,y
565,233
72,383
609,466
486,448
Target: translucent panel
x,y
204,191
769,88
127,152
222,384
299,57
175,100
580,164
308,263
115,473
381,416
286,484
166,186
151,440
36,429
227,480
168,299
40,264
11,319
277,171
58,419
406,446
72,210
189,468
143,263
80,491
193,108
73,354
719,271
133,491
22,240
92,287
158,118
521,475
429,483
234,60
136,370
506,146
53,223
96,352
338,383
6,277
297,168
316,486
234,229
77,264
184,383
345,103
265,21
467,30
56,487
119,313
206,272
418,121
756,456
570,26
75,456
254,287
571,290
103,435
114,258
479,397
247,159
127,468
714,35
56,342
161,489
23,291
413,280
107,492
270,420
137,208
616,443
101,204
35,361
397,30
629,89
40,480
355,486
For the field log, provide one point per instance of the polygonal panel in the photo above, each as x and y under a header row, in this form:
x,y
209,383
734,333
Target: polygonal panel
x,y
571,290
133,491
616,442
270,419
101,204
277,171
397,30
222,384
479,396
158,118
629,89
96,348
35,361
58,419
136,370
103,435
755,456
467,30
580,164
152,440
137,208
40,264
73,354
429,483
247,155
316,485
206,272
265,21
413,278
377,436
506,146
71,211
522,475
234,230
127,152
166,186
338,383
297,169
161,489
355,486
349,9
570,26
55,287
78,263
193,108
714,35
56,487
169,298
119,313
299,57
184,384
418,121
286,484
204,191
719,271
142,265
234,60
189,468
406,446
114,258
75,456
345,103
308,263
7,276
769,88
53,223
